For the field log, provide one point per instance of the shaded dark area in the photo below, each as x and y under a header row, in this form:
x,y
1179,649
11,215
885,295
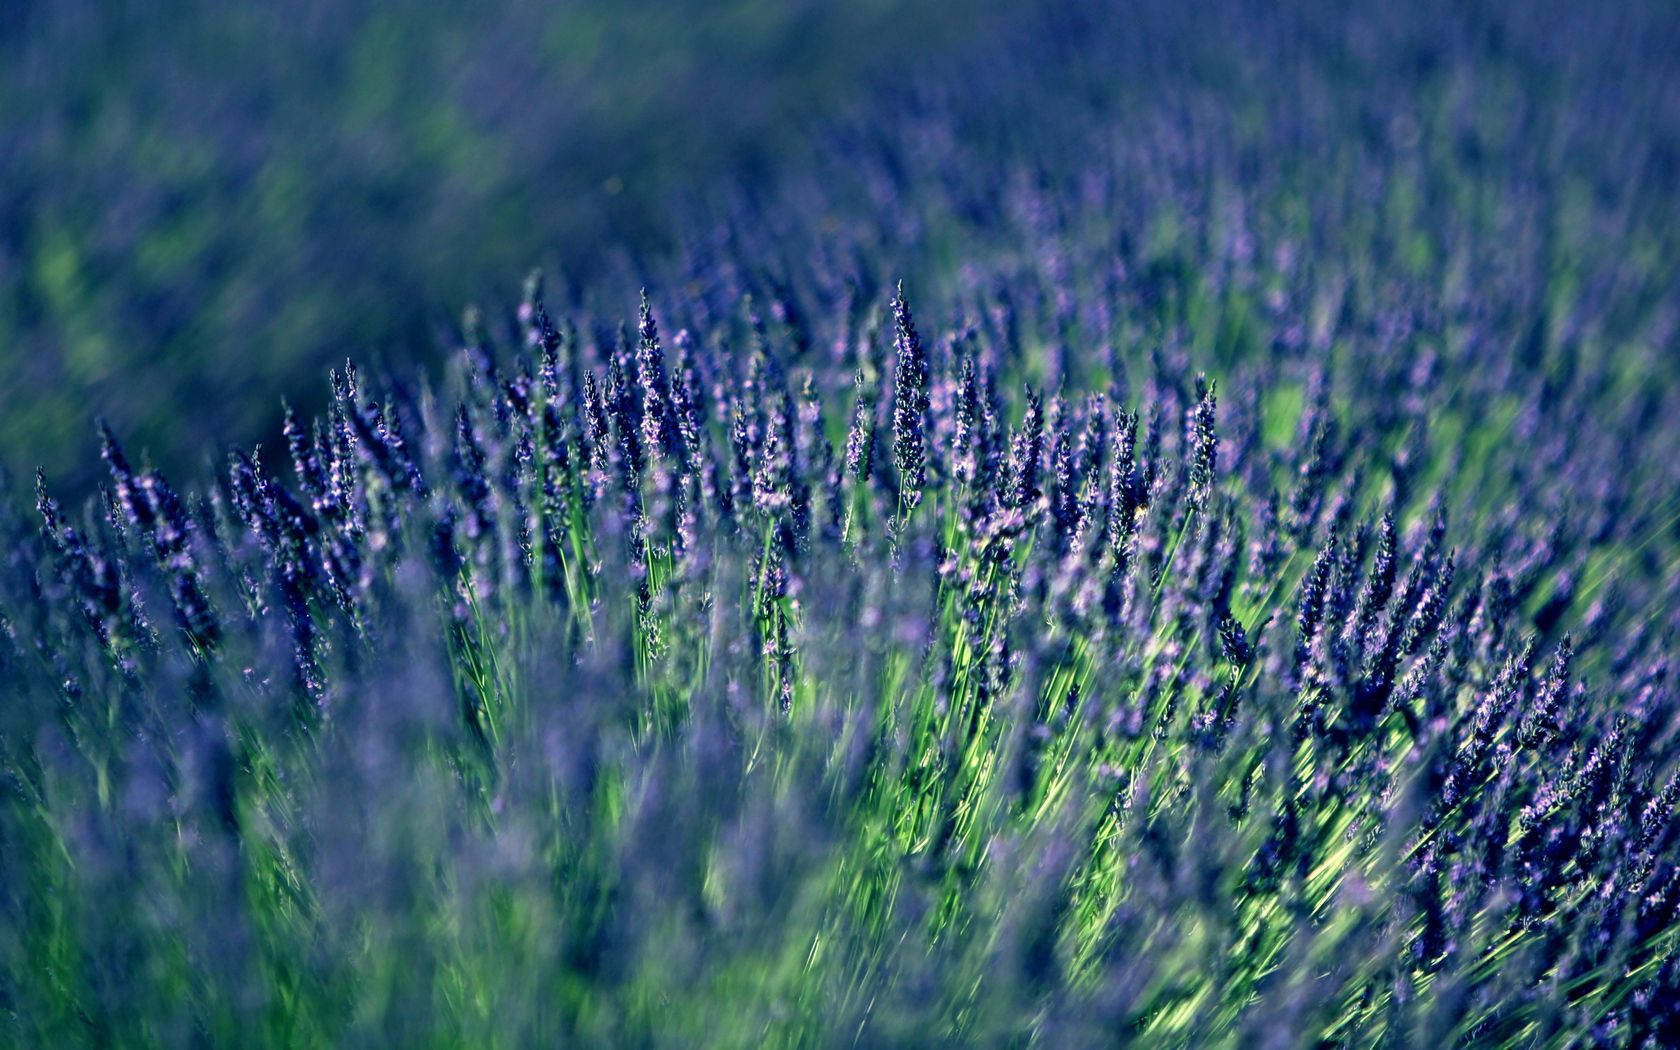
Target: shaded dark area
x,y
205,204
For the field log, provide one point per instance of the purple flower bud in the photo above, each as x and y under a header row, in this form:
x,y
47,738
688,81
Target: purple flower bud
x,y
1204,443
910,404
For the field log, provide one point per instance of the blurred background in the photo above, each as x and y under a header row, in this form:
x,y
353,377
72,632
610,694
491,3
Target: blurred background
x,y
205,204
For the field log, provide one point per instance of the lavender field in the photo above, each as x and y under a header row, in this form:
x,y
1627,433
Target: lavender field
x,y
1141,527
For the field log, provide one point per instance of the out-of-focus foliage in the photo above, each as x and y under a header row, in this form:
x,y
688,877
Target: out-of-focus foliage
x,y
202,203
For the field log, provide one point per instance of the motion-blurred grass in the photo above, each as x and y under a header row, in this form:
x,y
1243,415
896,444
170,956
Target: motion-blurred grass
x,y
202,204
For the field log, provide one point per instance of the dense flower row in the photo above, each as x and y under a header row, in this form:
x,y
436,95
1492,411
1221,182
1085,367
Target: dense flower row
x,y
1166,716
